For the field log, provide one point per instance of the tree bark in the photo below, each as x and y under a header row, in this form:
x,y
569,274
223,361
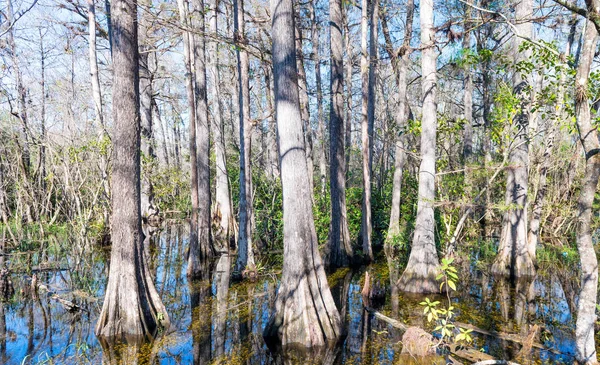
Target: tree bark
x,y
223,194
367,70
423,263
203,250
340,249
305,313
245,259
304,107
94,74
513,257
132,308
468,93
149,209
189,83
348,82
400,65
319,89
588,134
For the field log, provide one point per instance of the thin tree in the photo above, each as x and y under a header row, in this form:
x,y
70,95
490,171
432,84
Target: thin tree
x,y
203,249
340,249
132,308
188,42
319,90
305,313
400,63
245,259
423,263
149,208
222,190
588,135
367,72
513,256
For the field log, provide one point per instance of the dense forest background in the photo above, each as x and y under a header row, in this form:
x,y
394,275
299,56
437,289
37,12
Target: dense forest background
x,y
436,129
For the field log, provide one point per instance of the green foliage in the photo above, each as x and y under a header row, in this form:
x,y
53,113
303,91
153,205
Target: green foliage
x,y
443,317
171,189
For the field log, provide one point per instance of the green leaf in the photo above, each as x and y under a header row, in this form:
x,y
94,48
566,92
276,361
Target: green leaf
x,y
452,285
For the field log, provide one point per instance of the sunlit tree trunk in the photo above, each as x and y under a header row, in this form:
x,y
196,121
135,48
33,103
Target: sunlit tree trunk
x,y
94,74
400,63
189,85
245,259
468,93
222,189
588,134
305,313
319,90
348,85
132,308
304,107
513,257
149,208
340,249
423,263
367,70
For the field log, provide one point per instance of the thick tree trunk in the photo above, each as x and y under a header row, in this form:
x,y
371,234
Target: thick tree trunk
x,y
245,259
586,306
423,263
319,89
513,257
223,206
340,249
149,209
305,313
203,250
132,308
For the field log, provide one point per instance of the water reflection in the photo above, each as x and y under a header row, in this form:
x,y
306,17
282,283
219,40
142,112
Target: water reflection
x,y
216,322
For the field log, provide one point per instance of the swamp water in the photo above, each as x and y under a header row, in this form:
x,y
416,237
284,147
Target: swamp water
x,y
213,322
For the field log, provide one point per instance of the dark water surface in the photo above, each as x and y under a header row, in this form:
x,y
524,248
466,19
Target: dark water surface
x,y
214,322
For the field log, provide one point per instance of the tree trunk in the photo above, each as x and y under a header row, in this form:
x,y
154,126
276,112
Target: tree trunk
x,y
305,313
203,250
304,107
423,263
223,194
132,308
400,66
22,91
340,249
588,134
149,209
348,82
94,74
189,83
369,10
245,259
513,257
468,92
319,89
